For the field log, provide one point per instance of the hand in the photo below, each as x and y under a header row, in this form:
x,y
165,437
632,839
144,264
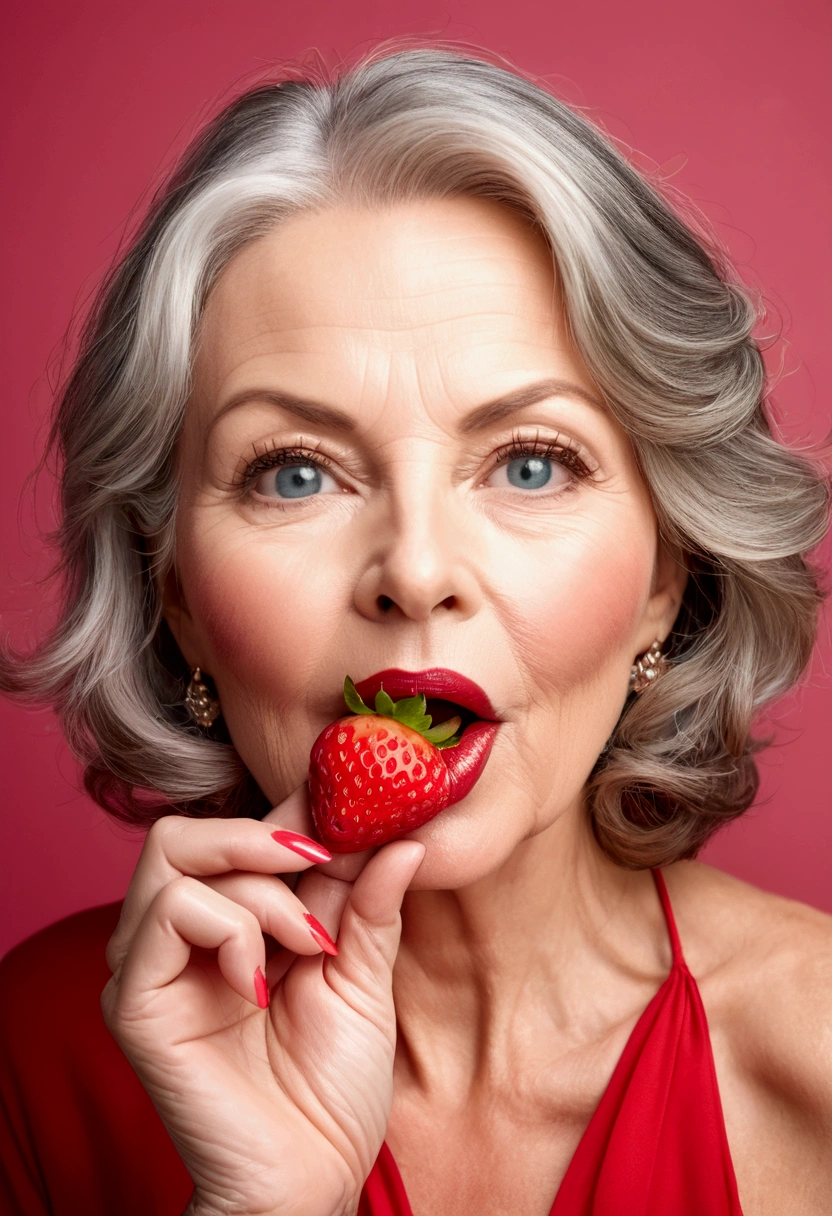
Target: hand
x,y
273,1110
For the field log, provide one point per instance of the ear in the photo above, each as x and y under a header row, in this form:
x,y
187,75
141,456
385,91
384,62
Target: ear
x,y
178,618
670,578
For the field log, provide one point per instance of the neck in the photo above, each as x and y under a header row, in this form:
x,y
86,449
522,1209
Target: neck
x,y
539,951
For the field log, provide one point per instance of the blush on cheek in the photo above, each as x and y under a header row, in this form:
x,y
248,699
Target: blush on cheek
x,y
585,614
263,623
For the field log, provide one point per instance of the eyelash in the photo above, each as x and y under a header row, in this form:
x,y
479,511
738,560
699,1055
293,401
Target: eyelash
x,y
272,457
551,449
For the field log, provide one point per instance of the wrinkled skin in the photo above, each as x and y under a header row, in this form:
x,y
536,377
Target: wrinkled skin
x,y
204,1051
416,549
482,1038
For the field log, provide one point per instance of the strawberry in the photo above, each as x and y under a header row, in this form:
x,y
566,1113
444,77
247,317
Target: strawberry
x,y
378,774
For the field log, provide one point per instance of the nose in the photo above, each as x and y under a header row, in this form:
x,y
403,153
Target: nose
x,y
421,561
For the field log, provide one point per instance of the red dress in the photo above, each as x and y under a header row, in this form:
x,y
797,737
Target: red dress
x,y
78,1133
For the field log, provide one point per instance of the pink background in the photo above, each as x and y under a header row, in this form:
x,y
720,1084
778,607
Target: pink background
x,y
731,97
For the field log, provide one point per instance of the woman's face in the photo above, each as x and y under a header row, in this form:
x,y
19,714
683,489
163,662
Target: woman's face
x,y
405,525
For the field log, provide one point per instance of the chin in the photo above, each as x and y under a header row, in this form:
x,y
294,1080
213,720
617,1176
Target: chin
x,y
463,845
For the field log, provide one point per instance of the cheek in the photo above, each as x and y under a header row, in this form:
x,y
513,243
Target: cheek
x,y
578,605
264,614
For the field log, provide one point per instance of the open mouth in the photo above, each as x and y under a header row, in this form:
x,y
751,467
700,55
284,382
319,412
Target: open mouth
x,y
446,692
479,724
441,711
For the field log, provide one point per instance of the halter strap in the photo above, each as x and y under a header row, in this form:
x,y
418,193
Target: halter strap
x,y
670,920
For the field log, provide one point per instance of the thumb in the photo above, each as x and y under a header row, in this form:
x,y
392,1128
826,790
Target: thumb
x,y
371,922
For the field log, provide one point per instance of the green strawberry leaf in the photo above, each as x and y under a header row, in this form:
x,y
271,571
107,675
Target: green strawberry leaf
x,y
353,700
438,734
385,704
410,711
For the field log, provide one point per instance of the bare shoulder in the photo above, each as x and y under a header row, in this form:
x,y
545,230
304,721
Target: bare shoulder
x,y
764,968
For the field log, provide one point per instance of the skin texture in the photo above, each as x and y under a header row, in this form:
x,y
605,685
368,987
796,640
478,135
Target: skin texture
x,y
526,956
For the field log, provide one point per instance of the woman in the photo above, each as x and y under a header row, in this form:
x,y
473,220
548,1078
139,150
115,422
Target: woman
x,y
411,378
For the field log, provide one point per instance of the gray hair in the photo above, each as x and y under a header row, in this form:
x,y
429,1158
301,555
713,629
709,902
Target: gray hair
x,y
655,311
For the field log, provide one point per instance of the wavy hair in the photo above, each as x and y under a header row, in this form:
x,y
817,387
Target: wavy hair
x,y
657,314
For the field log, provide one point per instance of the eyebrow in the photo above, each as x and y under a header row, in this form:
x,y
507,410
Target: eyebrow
x,y
478,419
510,403
312,411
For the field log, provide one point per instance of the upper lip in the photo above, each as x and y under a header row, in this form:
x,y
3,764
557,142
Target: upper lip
x,y
438,682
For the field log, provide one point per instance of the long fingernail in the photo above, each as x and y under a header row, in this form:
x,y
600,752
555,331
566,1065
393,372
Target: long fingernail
x,y
320,934
261,988
310,849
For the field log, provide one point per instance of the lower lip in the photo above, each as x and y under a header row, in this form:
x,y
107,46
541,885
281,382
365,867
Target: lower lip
x,y
466,761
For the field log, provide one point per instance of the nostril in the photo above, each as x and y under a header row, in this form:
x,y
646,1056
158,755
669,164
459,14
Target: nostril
x,y
385,603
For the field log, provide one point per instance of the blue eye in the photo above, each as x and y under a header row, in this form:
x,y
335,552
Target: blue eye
x,y
538,465
294,479
298,481
529,472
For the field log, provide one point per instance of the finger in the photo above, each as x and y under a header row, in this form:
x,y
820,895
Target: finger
x,y
177,846
371,921
295,813
362,974
324,897
377,894
373,910
326,889
183,914
279,912
325,894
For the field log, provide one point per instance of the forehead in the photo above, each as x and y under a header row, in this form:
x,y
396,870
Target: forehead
x,y
393,278
405,317
418,321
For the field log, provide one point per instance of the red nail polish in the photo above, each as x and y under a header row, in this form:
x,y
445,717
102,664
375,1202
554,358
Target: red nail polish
x,y
310,849
320,934
261,988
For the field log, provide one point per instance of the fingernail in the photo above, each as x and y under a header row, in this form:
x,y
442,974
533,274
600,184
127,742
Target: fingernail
x,y
310,849
320,934
261,988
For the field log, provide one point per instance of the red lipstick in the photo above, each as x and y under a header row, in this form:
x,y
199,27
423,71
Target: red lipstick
x,y
466,761
437,682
